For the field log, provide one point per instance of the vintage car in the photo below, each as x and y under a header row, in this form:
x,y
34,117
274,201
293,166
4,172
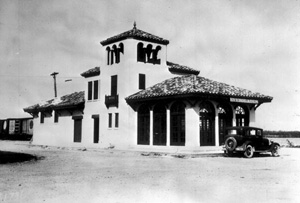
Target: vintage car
x,y
248,140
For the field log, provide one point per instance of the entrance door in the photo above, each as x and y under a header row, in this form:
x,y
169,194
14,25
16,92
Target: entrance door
x,y
207,119
143,126
225,120
177,124
159,125
96,129
77,129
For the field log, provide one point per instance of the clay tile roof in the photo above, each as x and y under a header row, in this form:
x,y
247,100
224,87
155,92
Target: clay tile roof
x,y
176,68
196,85
67,101
135,34
91,72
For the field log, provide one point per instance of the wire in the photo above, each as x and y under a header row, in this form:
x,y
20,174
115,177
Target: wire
x,y
32,76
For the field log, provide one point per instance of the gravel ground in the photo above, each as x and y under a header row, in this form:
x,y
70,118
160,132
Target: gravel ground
x,y
79,175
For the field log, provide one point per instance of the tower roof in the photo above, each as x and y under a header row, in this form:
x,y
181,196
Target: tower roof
x,y
135,33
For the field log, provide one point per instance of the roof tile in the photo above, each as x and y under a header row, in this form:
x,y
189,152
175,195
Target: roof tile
x,y
91,72
173,67
135,34
70,100
194,84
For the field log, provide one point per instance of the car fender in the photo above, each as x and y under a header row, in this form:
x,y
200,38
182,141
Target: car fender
x,y
248,143
273,144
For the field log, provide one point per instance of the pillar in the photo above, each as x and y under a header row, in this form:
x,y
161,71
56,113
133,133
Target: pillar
x,y
192,138
151,127
217,128
168,127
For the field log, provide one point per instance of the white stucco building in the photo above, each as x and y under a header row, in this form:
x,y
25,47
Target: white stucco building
x,y
138,98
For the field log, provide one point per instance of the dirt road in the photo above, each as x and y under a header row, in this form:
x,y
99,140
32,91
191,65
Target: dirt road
x,y
72,175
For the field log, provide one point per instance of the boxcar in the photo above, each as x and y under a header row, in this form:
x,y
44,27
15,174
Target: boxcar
x,y
16,128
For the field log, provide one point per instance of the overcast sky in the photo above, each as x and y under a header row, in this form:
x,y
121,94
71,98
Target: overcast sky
x,y
250,44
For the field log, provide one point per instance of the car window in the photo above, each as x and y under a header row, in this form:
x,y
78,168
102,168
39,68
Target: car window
x,y
259,132
250,132
231,132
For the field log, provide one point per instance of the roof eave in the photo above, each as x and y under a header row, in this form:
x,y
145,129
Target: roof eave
x,y
110,41
194,95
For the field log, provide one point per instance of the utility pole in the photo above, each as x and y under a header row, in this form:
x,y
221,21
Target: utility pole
x,y
54,77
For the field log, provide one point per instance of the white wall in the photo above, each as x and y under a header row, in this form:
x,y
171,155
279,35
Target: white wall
x,y
54,134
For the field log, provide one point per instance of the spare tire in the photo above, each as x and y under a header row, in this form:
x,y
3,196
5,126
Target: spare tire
x,y
230,144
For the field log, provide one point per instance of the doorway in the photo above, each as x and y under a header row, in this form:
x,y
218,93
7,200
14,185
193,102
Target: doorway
x,y
207,123
159,125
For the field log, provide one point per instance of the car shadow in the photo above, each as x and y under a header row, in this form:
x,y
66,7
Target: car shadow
x,y
241,155
15,157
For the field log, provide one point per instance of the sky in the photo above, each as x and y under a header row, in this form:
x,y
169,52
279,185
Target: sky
x,y
250,44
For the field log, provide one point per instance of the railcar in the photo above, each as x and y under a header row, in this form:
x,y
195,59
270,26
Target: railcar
x,y
16,128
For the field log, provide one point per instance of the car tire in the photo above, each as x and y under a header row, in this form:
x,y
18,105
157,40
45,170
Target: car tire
x,y
249,151
275,150
228,153
230,144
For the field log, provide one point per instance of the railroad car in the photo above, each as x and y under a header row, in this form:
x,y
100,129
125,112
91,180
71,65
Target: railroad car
x,y
16,128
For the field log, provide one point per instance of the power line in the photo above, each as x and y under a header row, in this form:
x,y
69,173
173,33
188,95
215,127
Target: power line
x,y
32,76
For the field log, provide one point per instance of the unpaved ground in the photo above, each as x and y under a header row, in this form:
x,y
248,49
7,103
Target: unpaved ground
x,y
72,175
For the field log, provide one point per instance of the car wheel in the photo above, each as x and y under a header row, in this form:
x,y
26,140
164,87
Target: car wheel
x,y
275,150
249,151
228,153
230,144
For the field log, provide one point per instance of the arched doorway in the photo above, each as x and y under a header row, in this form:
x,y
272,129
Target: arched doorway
x,y
225,120
207,123
241,116
159,125
143,125
177,122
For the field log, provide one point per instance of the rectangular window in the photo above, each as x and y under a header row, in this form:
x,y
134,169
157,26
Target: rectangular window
x,y
142,81
114,85
96,89
116,120
109,120
55,117
90,90
42,117
93,90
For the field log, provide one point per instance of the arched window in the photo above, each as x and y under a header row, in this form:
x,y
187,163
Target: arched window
x,y
149,58
143,125
177,122
114,52
140,52
156,59
242,116
108,55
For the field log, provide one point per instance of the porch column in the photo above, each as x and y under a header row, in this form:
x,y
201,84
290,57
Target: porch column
x,y
192,136
217,128
233,117
151,127
168,127
252,117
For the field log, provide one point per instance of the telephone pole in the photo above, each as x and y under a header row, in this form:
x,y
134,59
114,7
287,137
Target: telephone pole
x,y
54,77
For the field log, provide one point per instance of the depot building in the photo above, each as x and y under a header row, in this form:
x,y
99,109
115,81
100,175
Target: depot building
x,y
137,98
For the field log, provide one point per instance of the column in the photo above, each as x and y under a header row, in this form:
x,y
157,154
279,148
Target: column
x,y
192,130
217,128
151,127
168,127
